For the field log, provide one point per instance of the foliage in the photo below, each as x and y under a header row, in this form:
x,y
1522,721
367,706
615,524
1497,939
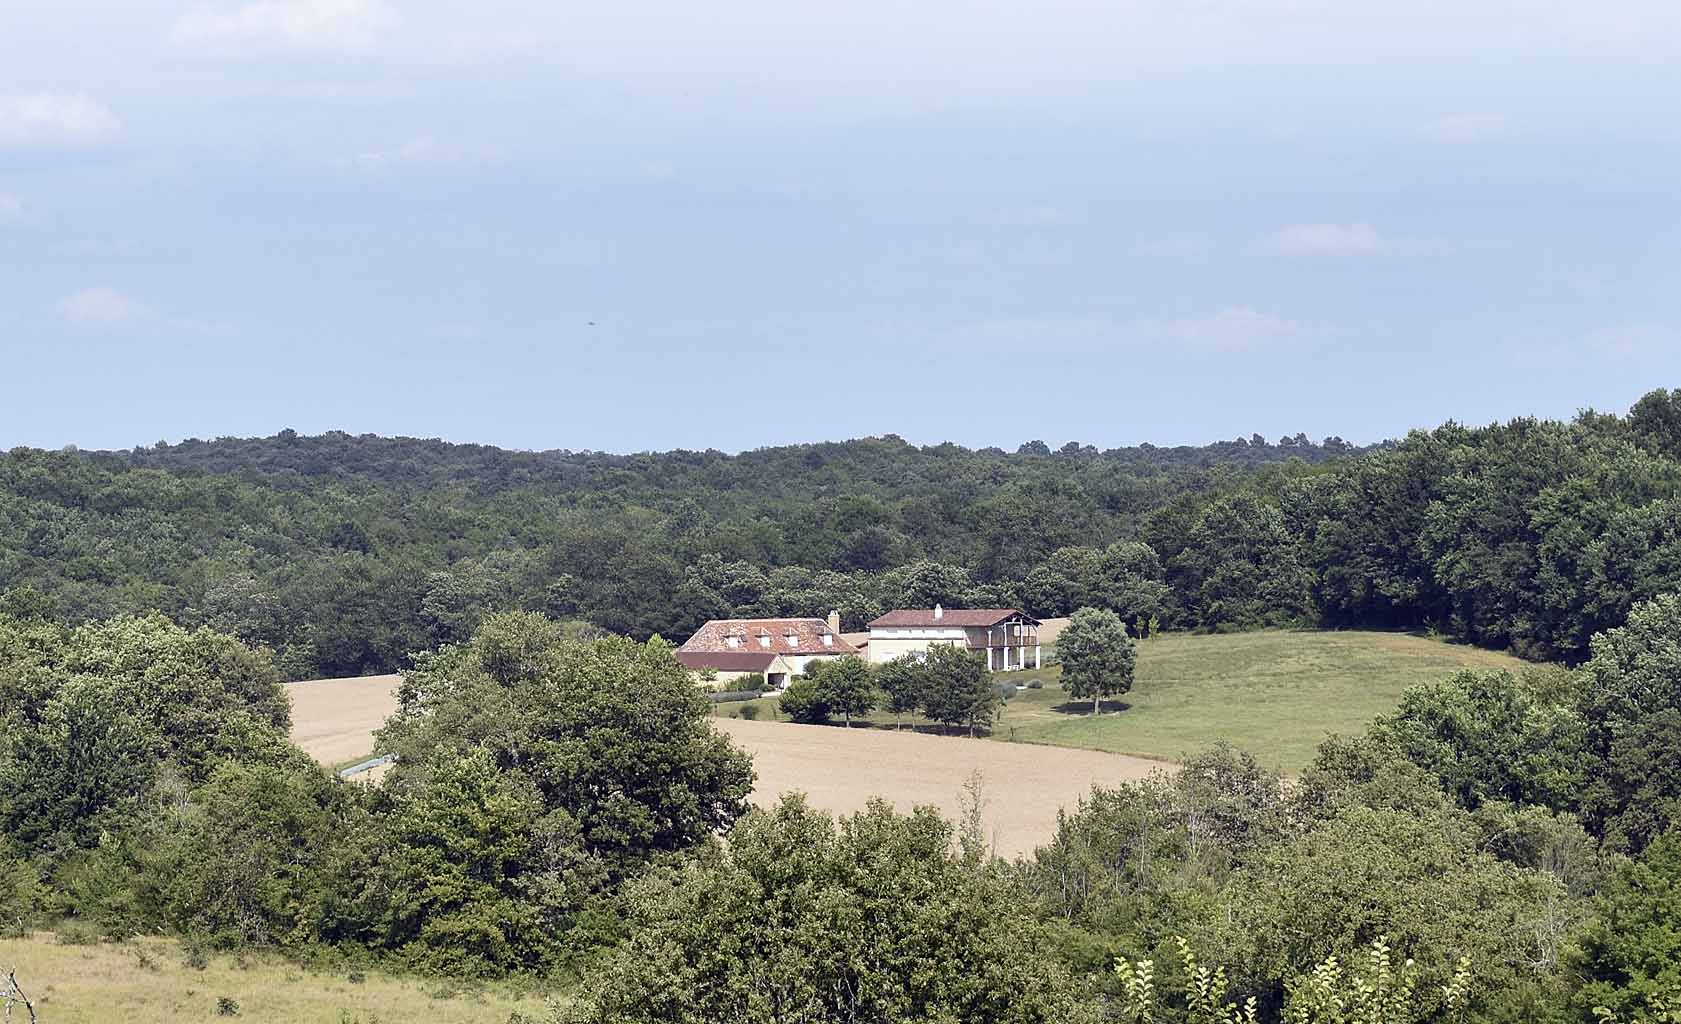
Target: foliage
x,y
1382,993
1631,702
840,686
904,686
957,687
100,722
610,730
1630,959
1486,736
242,857
1097,655
872,917
802,702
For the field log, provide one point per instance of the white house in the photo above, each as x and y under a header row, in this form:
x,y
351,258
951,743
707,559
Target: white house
x,y
1007,636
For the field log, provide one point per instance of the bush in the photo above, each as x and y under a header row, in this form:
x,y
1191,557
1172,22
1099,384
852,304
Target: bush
x,y
871,918
1035,684
802,702
750,712
732,696
21,895
227,1006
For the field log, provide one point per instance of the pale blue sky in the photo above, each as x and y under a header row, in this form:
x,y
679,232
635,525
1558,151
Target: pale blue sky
x,y
1166,220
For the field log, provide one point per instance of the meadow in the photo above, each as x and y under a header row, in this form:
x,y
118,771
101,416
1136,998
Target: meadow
x,y
1274,693
159,979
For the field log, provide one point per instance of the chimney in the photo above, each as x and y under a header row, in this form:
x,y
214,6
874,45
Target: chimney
x,y
939,613
834,621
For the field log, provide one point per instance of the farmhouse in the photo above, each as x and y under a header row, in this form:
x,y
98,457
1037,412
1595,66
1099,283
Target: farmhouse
x,y
778,648
1008,637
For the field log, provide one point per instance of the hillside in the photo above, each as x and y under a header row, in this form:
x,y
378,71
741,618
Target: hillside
x,y
1273,693
344,555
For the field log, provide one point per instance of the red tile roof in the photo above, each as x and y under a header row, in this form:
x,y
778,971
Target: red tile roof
x,y
952,617
728,661
807,633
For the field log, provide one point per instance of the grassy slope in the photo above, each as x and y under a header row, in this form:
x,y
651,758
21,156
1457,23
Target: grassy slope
x,y
102,983
1273,693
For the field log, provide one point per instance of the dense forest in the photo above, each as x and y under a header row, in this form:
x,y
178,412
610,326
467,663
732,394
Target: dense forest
x,y
346,554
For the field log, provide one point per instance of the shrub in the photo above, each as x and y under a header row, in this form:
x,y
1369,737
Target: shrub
x,y
800,917
750,712
227,1006
802,702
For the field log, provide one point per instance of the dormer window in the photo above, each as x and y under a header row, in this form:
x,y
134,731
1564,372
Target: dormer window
x,y
828,640
792,638
732,641
764,640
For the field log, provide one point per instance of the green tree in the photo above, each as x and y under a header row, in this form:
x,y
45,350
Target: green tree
x,y
1630,699
803,702
802,918
1097,655
1486,736
844,686
1631,954
241,858
904,683
959,687
611,731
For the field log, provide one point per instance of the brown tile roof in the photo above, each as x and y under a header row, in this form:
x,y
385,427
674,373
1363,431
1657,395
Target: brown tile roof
x,y
807,633
953,617
728,661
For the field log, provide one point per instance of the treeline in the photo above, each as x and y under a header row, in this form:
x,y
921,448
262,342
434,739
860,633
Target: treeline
x,y
1500,849
344,554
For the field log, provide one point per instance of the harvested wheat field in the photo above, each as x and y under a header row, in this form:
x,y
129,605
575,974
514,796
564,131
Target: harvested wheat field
x,y
333,719
840,769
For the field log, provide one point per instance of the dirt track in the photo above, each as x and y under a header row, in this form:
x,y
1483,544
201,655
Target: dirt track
x,y
838,769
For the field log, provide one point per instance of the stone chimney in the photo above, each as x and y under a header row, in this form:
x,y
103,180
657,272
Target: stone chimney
x,y
834,622
939,613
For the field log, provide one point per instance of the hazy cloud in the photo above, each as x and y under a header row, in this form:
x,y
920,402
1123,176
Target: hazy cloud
x,y
99,306
1634,339
1327,240
11,209
425,150
1459,129
1234,329
54,119
304,24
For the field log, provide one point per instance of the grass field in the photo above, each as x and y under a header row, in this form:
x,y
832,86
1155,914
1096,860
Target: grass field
x,y
148,979
1274,693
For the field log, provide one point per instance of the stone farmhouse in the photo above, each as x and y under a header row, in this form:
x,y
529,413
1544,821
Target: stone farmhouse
x,y
778,648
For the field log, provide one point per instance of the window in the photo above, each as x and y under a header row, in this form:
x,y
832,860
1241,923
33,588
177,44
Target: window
x,y
732,641
828,640
792,638
764,640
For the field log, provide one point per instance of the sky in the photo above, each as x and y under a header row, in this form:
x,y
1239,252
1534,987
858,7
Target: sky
x,y
646,224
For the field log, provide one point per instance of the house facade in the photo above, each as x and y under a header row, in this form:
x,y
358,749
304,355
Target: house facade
x,y
778,648
1008,637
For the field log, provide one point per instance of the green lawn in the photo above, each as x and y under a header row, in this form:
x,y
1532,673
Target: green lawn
x,y
1274,693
